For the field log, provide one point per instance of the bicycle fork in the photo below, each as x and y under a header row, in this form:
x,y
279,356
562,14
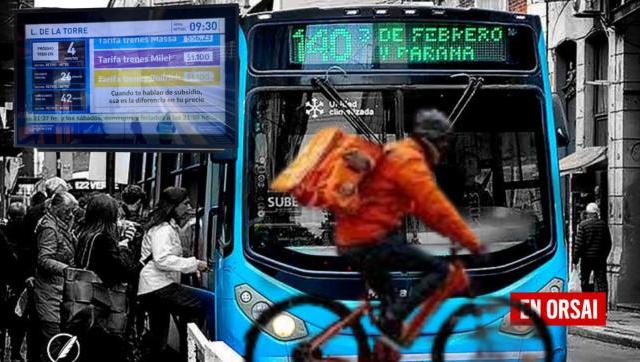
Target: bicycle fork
x,y
452,283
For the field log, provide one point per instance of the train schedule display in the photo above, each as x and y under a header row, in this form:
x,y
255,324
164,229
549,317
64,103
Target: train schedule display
x,y
154,84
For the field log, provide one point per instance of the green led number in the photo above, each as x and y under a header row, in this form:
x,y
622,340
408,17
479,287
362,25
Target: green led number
x,y
318,44
298,45
340,45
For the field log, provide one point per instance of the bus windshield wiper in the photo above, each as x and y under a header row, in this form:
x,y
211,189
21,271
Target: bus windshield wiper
x,y
331,93
470,91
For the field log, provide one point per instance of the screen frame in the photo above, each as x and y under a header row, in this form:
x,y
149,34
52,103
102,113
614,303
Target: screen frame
x,y
252,33
227,142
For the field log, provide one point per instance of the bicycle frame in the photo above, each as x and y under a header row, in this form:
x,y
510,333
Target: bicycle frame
x,y
410,330
335,328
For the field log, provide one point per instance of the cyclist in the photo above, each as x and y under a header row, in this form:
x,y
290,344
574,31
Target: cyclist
x,y
401,182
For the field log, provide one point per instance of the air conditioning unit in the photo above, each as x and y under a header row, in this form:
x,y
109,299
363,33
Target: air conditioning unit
x,y
587,8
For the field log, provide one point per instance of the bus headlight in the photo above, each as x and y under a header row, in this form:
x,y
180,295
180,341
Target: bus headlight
x,y
556,285
258,309
517,329
285,326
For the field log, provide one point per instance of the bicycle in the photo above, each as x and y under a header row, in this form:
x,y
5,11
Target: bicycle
x,y
310,349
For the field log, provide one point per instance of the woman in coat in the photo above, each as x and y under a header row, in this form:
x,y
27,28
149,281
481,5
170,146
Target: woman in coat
x,y
56,252
101,251
159,289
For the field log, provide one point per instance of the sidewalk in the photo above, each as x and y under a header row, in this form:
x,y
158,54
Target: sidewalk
x,y
623,328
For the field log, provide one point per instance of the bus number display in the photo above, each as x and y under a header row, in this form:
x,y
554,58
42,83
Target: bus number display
x,y
397,43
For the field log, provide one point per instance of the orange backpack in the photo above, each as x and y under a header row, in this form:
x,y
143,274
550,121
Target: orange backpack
x,y
329,169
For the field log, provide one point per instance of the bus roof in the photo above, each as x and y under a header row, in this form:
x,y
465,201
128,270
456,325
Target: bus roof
x,y
309,10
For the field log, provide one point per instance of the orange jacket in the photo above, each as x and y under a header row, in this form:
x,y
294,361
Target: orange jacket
x,y
401,183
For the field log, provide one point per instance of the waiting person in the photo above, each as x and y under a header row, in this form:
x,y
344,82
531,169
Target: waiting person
x,y
133,198
132,213
159,289
8,263
100,250
35,212
56,252
19,251
38,207
591,249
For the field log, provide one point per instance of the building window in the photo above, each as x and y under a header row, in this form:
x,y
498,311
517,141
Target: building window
x,y
565,85
167,169
598,80
149,176
500,5
135,174
190,172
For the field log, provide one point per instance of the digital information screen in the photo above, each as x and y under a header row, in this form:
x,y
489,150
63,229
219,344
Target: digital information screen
x,y
139,84
397,43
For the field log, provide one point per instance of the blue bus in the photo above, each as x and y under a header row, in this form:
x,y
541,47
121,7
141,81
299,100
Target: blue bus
x,y
387,62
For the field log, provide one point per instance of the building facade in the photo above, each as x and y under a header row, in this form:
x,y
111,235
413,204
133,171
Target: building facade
x,y
594,61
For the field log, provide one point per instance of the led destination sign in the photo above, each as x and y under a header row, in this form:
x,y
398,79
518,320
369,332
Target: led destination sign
x,y
397,43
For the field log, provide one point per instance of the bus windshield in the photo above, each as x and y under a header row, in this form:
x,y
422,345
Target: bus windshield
x,y
494,171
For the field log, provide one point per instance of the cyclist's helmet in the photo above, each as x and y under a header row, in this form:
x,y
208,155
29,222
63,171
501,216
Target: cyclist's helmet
x,y
431,124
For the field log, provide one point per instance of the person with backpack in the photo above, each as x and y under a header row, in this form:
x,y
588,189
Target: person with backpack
x,y
370,189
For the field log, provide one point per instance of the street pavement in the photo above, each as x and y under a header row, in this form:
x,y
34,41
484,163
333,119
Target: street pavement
x,y
623,328
586,350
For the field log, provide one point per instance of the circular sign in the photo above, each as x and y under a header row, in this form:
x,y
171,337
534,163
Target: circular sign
x,y
69,351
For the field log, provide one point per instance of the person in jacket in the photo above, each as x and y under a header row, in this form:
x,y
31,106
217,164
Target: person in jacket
x,y
132,213
56,252
8,265
35,212
401,183
100,250
591,249
19,275
159,289
131,216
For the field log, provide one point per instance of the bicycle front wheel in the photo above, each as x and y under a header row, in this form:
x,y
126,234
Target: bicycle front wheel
x,y
303,350
471,332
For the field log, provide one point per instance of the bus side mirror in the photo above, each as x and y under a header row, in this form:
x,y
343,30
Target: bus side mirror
x,y
560,117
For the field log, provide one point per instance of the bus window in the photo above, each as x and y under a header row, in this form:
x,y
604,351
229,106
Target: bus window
x,y
205,182
285,122
491,172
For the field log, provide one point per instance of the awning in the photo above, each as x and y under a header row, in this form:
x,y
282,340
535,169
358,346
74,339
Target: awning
x,y
579,161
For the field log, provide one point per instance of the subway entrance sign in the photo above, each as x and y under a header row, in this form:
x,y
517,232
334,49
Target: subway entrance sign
x,y
143,78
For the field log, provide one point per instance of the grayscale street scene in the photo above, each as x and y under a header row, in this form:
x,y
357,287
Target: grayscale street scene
x,y
257,180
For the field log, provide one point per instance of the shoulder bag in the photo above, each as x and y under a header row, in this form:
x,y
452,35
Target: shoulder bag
x,y
88,303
